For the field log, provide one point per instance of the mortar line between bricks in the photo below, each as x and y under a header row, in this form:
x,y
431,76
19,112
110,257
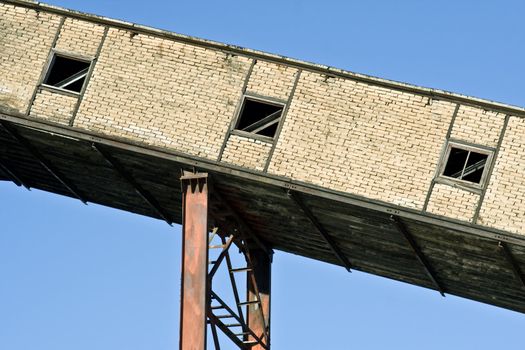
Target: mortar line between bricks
x,y
45,69
236,113
490,170
441,156
283,119
88,76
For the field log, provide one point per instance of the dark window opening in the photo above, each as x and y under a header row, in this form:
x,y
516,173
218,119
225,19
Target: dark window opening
x,y
466,165
259,117
67,73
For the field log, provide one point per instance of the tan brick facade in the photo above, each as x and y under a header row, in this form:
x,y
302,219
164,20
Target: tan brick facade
x,y
163,93
341,132
53,106
26,37
79,37
362,139
504,204
477,126
271,80
246,152
453,202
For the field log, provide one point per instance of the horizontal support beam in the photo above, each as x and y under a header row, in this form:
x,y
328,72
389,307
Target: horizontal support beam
x,y
12,175
296,197
419,254
211,166
42,160
119,169
512,262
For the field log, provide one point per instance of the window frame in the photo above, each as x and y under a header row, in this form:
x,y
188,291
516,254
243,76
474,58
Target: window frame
x,y
260,99
51,61
467,185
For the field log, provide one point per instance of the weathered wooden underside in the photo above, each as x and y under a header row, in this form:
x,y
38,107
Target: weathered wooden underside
x,y
465,260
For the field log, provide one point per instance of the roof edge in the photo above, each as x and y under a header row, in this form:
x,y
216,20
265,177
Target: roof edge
x,y
256,54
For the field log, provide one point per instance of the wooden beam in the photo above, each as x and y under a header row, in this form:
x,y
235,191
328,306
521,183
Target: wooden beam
x,y
119,169
419,254
296,197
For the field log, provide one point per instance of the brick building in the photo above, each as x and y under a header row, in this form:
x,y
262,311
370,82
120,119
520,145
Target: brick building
x,y
453,162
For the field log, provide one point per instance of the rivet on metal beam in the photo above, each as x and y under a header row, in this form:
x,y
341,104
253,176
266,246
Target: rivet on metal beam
x,y
419,254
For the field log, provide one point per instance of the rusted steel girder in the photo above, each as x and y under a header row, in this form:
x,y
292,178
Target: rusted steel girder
x,y
259,287
194,290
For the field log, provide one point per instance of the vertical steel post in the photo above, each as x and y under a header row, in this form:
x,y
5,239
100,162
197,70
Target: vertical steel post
x,y
194,288
259,286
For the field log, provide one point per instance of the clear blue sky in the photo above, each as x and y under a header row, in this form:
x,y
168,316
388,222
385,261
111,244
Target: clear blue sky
x,y
88,277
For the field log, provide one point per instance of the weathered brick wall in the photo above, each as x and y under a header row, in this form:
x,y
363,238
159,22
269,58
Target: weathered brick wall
x,y
26,37
271,80
477,126
163,93
453,202
338,133
54,107
246,152
362,139
504,203
75,38
79,37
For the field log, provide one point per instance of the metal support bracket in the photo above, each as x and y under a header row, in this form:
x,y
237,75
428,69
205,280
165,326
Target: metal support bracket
x,y
43,161
296,197
512,262
419,254
119,169
12,175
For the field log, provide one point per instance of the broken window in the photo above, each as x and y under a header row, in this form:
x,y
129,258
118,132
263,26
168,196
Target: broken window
x,y
466,163
260,117
67,73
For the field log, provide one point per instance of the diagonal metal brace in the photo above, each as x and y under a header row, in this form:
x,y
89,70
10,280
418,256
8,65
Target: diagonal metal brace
x,y
119,169
240,221
512,262
43,161
322,231
419,254
13,176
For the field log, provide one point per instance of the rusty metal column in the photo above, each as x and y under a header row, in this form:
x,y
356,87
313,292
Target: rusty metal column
x,y
194,288
259,285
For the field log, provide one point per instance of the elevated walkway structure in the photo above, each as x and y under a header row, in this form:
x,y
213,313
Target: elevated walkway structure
x,y
264,152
